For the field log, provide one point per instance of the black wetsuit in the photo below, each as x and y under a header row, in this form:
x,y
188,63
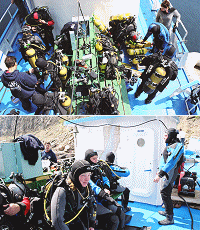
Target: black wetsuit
x,y
66,204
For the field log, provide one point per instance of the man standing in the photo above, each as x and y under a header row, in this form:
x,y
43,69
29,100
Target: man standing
x,y
171,160
48,154
21,84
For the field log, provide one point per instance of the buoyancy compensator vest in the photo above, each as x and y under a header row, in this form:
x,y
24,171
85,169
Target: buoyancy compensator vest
x,y
108,173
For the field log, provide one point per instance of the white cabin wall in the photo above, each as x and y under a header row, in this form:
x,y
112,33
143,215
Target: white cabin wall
x,y
141,161
63,10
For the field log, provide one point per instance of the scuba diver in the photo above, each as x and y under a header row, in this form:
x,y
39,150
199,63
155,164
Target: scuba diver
x,y
160,70
171,160
160,34
105,203
14,206
114,173
41,21
73,205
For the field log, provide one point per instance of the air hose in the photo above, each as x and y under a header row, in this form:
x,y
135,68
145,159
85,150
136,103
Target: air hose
x,y
110,168
192,228
42,46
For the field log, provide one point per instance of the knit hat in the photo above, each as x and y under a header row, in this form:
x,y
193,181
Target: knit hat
x,y
172,136
78,168
90,153
110,157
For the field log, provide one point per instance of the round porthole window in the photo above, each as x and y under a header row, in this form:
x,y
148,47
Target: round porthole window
x,y
140,142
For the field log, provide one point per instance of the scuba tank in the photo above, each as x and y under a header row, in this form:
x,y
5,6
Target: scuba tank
x,y
99,46
137,44
154,80
65,60
63,73
100,25
138,59
121,17
66,104
137,51
31,57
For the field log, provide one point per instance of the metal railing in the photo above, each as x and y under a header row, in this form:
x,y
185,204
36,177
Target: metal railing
x,y
7,10
9,22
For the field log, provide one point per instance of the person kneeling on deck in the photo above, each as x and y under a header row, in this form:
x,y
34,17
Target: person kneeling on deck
x,y
160,34
73,206
160,69
114,173
22,85
106,204
172,158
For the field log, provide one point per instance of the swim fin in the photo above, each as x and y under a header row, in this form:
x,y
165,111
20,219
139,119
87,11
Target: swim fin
x,y
137,228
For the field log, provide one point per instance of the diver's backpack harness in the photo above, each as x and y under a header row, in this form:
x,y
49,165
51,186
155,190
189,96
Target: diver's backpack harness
x,y
103,102
60,181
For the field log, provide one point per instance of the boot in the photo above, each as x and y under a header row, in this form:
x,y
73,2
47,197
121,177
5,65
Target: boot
x,y
126,209
163,213
169,220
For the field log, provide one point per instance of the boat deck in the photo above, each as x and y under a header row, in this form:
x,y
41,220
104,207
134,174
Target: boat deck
x,y
162,104
147,215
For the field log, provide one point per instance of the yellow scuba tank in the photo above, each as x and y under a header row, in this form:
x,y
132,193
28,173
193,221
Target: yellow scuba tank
x,y
65,60
137,45
120,17
31,57
138,59
137,51
154,80
63,73
67,104
100,25
99,46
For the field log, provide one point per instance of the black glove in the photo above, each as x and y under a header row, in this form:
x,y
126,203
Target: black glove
x,y
107,197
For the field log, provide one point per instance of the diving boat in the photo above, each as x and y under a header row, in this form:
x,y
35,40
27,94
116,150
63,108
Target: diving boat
x,y
137,142
176,99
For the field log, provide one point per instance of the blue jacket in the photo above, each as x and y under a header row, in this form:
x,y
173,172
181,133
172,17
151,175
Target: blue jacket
x,y
119,171
49,156
21,84
172,158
